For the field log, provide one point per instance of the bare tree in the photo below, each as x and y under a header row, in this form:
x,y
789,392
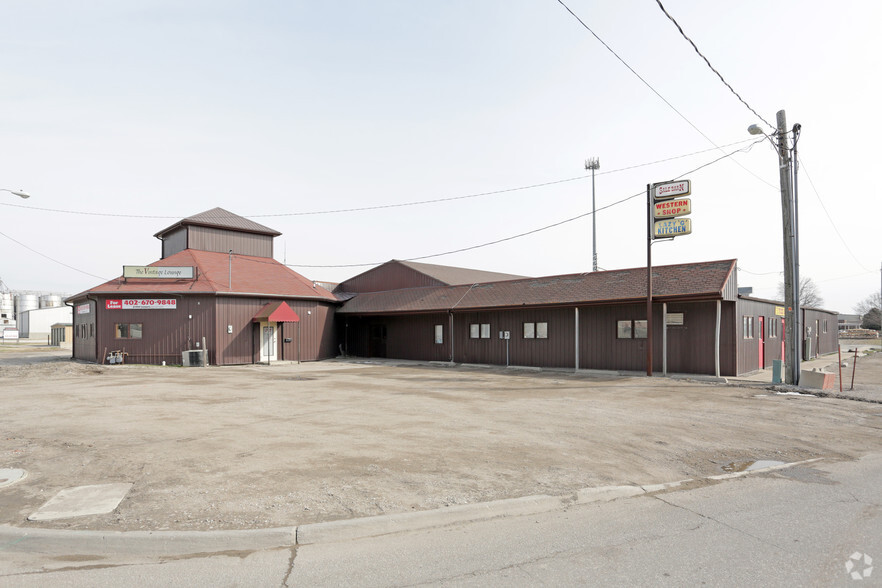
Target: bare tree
x,y
809,295
868,308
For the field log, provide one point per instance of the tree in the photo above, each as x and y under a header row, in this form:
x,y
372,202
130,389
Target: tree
x,y
809,295
868,308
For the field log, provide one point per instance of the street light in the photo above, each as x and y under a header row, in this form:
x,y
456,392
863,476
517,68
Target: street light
x,y
19,193
593,164
790,216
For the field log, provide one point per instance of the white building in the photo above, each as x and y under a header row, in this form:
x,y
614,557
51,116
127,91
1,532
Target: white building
x,y
38,322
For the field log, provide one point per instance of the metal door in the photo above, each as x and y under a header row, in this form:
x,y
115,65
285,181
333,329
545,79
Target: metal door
x,y
268,342
762,342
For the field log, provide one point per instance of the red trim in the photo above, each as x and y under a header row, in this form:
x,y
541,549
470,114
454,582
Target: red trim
x,y
276,312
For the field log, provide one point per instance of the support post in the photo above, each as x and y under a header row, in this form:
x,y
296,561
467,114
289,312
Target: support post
x,y
577,339
664,338
649,280
717,340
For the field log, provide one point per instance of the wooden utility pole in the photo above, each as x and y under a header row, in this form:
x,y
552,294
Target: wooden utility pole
x,y
791,287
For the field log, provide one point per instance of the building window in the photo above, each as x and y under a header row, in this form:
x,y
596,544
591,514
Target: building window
x,y
439,334
542,330
825,325
631,329
479,331
747,327
773,328
91,329
128,330
640,329
529,330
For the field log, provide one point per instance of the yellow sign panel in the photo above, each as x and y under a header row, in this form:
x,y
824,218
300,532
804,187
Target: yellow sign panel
x,y
673,208
672,227
779,311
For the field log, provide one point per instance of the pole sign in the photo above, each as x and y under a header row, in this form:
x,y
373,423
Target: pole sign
x,y
672,227
666,190
673,208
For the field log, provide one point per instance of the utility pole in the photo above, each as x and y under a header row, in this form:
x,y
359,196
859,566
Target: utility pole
x,y
593,164
793,332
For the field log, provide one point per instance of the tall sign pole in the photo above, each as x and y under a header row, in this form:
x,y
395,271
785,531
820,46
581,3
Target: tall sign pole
x,y
665,204
593,164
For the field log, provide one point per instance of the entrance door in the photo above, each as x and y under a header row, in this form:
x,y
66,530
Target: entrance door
x,y
762,342
377,345
817,349
268,342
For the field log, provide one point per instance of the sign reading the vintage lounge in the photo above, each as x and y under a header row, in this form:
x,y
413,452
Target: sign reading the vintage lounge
x,y
154,272
142,304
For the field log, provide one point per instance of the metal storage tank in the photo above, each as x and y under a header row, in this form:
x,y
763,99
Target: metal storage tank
x,y
7,308
50,301
26,302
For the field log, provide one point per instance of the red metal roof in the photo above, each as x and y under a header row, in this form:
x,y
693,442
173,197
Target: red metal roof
x,y
256,276
222,219
276,312
695,280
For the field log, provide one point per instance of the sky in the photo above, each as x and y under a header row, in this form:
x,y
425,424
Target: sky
x,y
120,118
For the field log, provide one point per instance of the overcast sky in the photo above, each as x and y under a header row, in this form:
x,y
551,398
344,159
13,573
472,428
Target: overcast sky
x,y
122,117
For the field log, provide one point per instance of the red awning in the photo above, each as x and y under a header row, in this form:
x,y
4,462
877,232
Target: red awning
x,y
276,312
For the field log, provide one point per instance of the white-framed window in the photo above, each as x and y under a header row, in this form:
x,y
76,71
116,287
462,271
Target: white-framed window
x,y
439,334
479,331
542,330
747,327
529,330
535,330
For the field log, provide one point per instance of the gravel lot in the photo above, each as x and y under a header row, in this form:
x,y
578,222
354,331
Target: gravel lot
x,y
258,446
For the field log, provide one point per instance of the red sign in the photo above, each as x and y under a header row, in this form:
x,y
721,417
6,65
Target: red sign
x,y
673,208
142,304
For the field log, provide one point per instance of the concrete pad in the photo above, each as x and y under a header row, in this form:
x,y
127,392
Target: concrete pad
x,y
606,493
9,476
82,501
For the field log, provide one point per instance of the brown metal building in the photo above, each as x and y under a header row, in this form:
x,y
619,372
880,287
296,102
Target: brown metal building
x,y
220,306
579,321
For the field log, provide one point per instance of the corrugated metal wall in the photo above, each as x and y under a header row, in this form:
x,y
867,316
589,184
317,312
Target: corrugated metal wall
x,y
403,337
316,335
174,242
822,342
220,240
166,332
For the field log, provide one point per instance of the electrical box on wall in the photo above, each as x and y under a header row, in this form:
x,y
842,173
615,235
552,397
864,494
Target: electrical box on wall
x,y
230,329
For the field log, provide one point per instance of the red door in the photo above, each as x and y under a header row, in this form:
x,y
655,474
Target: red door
x,y
762,342
783,336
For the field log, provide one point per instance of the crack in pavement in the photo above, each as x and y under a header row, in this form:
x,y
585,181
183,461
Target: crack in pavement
x,y
290,567
704,516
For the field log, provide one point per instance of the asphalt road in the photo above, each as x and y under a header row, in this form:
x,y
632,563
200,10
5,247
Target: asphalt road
x,y
794,527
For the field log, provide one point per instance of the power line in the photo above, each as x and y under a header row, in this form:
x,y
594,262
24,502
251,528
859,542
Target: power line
x,y
51,259
540,229
713,69
656,92
385,206
830,218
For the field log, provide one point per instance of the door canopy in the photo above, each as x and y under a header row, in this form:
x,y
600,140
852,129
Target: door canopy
x,y
276,312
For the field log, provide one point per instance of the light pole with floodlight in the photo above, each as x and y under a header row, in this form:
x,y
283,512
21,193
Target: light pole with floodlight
x,y
19,193
593,164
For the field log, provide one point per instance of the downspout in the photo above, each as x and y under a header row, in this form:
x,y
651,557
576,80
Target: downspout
x,y
664,338
577,339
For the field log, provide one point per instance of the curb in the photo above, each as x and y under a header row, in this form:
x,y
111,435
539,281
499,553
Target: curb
x,y
177,543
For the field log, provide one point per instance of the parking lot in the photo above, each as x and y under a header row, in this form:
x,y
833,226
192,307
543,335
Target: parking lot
x,y
260,446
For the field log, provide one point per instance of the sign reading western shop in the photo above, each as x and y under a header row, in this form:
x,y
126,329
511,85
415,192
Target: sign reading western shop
x,y
142,304
673,208
154,272
672,227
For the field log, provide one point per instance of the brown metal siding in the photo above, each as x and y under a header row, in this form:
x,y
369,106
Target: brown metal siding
x,y
220,240
166,332
691,346
407,337
388,277
748,349
822,342
242,346
174,242
555,351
